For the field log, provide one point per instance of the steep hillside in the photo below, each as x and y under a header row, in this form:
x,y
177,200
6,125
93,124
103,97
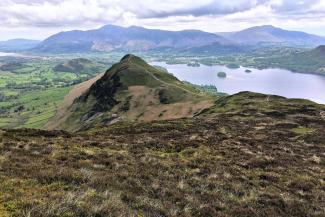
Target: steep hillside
x,y
132,38
132,90
271,34
252,155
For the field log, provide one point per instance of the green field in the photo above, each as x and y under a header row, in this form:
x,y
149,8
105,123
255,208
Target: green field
x,y
31,90
32,109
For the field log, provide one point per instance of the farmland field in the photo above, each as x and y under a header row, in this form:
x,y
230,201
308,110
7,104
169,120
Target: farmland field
x,y
31,90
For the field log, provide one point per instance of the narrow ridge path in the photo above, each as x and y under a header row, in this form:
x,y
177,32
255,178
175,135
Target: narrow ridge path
x,y
174,85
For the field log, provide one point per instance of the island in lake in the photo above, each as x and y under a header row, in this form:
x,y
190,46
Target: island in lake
x,y
222,75
196,64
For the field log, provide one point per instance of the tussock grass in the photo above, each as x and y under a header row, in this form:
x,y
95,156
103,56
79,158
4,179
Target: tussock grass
x,y
220,166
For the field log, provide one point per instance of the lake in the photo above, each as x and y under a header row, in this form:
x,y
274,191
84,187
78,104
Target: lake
x,y
269,81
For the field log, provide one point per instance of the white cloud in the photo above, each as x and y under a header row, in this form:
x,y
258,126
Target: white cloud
x,y
44,17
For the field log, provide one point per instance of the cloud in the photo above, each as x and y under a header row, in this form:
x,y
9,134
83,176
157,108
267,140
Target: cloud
x,y
54,13
298,6
200,8
210,15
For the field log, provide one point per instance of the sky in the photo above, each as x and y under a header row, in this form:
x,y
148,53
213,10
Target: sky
x,y
38,19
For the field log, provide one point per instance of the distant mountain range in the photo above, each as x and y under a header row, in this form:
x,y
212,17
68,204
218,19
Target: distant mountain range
x,y
272,35
134,38
18,45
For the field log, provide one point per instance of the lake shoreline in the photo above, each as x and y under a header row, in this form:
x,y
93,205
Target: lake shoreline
x,y
252,67
273,81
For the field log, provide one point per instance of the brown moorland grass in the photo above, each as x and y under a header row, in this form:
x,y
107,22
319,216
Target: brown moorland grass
x,y
233,164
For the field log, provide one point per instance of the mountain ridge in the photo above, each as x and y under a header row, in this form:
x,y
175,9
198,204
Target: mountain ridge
x,y
271,34
132,90
18,44
135,38
111,37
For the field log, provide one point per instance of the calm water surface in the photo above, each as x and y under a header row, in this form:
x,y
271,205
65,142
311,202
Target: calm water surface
x,y
269,81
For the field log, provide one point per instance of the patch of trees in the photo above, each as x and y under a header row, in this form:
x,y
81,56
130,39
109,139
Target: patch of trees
x,y
19,109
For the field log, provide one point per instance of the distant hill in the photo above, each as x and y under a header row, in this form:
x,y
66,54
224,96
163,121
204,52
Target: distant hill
x,y
78,66
132,38
269,35
310,61
131,90
18,45
318,53
11,66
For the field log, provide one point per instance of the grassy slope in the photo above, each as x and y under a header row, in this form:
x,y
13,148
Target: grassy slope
x,y
238,163
257,104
